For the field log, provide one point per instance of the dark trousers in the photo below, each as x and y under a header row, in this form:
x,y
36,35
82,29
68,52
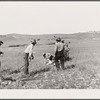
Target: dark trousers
x,y
1,77
26,63
66,55
59,56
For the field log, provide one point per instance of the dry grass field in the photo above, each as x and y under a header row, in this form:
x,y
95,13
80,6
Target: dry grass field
x,y
82,70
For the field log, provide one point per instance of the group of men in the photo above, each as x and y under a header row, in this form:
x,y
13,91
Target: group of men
x,y
61,51
61,54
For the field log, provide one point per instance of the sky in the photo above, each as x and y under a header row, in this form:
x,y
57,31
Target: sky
x,y
31,17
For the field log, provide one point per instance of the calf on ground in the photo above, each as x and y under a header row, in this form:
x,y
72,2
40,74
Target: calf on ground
x,y
48,59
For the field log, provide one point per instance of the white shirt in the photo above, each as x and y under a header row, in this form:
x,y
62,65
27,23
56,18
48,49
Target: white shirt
x,y
59,46
29,49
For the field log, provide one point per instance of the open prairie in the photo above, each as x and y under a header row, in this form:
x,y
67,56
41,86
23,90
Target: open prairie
x,y
82,70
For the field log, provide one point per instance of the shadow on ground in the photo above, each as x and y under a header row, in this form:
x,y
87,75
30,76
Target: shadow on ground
x,y
33,73
39,71
69,59
70,66
15,72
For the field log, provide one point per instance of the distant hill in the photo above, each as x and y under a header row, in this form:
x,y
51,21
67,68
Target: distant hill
x,y
19,37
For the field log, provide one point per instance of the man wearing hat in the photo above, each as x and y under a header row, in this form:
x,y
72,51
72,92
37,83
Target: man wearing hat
x,y
1,42
28,55
59,54
66,50
1,77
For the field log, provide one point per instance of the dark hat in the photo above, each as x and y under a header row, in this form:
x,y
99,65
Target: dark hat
x,y
58,39
34,41
63,41
1,42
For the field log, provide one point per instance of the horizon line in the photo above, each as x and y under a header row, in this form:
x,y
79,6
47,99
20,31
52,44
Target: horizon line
x,y
47,33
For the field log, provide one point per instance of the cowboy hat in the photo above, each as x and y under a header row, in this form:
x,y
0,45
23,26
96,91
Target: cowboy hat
x,y
34,41
58,39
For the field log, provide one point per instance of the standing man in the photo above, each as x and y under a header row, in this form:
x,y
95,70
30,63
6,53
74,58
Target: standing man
x,y
1,51
28,55
66,50
1,77
59,54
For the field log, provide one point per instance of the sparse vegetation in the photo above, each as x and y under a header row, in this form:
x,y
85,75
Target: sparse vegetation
x,y
82,69
51,43
17,45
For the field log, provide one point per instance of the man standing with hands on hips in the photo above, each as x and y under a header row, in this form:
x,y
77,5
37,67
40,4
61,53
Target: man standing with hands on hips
x,y
28,55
